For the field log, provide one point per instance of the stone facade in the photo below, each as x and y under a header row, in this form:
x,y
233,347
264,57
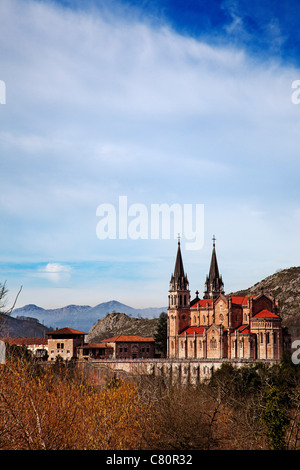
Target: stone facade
x,y
222,326
184,372
64,343
119,347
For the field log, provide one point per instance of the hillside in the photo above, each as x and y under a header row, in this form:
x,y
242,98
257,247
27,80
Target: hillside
x,y
284,285
21,327
101,321
119,323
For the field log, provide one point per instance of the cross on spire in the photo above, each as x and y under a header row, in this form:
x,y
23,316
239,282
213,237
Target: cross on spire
x,y
214,240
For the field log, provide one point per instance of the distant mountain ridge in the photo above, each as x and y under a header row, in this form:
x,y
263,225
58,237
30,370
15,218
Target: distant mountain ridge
x,y
82,317
284,285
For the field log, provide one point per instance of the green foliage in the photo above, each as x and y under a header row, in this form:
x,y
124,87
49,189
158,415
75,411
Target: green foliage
x,y
161,334
275,418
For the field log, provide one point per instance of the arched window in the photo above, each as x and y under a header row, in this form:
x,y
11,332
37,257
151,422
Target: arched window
x,y
213,343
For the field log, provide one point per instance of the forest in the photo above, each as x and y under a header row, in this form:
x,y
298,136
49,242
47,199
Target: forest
x,y
54,407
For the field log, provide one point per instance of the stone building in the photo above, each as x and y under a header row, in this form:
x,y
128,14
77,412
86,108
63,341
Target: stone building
x,y
220,326
38,346
64,343
119,347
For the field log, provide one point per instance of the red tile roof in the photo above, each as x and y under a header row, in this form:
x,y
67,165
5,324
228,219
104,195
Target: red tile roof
x,y
265,314
66,331
244,329
236,299
240,300
203,303
193,329
25,341
128,338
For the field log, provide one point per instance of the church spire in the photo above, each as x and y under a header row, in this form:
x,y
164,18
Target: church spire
x,y
214,283
179,279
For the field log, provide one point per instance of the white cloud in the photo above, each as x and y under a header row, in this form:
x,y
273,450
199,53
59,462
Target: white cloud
x,y
55,272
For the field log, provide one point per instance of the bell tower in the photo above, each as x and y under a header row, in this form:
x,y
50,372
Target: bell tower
x,y
179,304
214,283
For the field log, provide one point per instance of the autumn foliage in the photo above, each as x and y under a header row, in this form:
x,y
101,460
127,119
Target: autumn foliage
x,y
54,407
46,409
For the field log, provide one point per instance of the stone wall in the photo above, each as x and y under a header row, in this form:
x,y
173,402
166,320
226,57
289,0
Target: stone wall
x,y
174,371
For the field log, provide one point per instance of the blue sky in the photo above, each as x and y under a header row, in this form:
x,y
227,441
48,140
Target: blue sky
x,y
161,101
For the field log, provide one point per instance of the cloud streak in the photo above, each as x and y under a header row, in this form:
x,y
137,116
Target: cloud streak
x,y
102,104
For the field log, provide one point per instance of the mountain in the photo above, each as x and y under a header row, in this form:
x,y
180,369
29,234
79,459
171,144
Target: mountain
x,y
121,324
82,317
284,285
22,327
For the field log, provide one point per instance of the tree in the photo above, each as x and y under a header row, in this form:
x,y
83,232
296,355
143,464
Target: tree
x,y
45,409
161,334
275,418
5,313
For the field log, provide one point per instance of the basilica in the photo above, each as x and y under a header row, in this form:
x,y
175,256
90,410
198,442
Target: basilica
x,y
220,326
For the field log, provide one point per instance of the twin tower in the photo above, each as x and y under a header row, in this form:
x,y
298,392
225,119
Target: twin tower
x,y
219,326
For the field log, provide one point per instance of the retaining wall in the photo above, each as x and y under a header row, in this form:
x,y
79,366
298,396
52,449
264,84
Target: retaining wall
x,y
183,371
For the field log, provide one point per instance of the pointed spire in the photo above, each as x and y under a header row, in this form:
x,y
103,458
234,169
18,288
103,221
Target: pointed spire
x,y
214,269
179,279
214,283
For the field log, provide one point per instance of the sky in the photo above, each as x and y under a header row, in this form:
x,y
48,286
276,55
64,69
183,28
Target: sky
x,y
154,102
